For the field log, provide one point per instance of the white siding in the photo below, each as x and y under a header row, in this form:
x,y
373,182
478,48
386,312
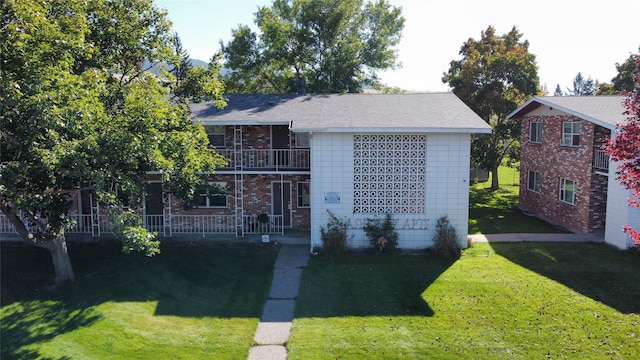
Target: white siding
x,y
446,184
619,213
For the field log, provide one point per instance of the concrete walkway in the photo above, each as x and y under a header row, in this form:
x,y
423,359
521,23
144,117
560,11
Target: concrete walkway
x,y
598,238
277,315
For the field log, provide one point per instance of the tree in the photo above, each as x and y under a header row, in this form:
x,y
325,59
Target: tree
x,y
582,86
332,45
183,65
495,75
78,111
558,91
625,147
625,79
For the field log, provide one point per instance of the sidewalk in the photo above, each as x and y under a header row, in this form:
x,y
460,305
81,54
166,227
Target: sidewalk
x,y
542,237
277,315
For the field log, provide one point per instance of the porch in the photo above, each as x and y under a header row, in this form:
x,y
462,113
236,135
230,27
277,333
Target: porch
x,y
266,159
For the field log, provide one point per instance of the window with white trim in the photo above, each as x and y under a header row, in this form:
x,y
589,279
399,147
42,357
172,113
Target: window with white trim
x,y
535,132
571,133
302,140
533,183
211,195
303,194
568,191
215,134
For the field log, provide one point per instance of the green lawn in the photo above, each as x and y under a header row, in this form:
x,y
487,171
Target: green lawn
x,y
497,212
192,301
499,301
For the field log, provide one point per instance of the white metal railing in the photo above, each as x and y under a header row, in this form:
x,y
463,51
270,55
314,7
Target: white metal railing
x,y
600,159
272,159
175,224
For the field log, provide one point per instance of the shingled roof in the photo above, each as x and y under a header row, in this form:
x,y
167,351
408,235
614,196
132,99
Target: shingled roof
x,y
426,112
606,111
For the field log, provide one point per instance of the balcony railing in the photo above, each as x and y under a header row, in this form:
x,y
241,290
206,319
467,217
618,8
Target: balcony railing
x,y
169,225
600,159
267,159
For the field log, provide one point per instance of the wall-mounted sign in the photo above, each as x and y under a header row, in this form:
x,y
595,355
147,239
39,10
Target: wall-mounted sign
x,y
332,197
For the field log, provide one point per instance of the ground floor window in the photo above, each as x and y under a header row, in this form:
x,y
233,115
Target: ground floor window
x,y
568,191
533,183
303,194
211,195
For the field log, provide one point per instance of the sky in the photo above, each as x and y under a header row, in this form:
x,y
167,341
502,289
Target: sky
x,y
567,36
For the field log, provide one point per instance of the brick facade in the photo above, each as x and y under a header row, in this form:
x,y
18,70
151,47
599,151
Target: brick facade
x,y
554,162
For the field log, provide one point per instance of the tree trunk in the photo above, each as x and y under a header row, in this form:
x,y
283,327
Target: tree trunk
x,y
61,261
494,179
57,247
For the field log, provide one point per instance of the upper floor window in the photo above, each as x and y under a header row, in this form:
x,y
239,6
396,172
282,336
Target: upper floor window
x,y
302,139
211,195
571,133
533,183
535,132
303,194
215,134
568,191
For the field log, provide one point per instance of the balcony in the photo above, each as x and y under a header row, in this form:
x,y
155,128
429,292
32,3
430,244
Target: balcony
x,y
267,159
600,160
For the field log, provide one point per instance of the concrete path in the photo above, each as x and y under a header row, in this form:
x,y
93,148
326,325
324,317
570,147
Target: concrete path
x,y
599,238
277,315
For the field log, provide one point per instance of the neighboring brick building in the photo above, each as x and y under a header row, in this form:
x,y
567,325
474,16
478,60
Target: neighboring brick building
x,y
565,176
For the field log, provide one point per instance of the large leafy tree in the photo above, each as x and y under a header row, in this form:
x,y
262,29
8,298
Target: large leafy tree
x,y
625,147
495,75
333,45
625,80
78,111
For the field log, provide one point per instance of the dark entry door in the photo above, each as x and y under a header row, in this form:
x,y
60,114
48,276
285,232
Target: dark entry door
x,y
280,145
281,201
154,218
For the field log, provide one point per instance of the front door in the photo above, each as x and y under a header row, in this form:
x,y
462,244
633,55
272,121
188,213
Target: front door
x,y
281,202
153,207
280,145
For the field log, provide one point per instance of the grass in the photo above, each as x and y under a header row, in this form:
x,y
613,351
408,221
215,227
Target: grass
x,y
196,301
499,301
497,212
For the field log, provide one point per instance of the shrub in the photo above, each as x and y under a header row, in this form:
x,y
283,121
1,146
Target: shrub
x,y
382,234
334,237
445,242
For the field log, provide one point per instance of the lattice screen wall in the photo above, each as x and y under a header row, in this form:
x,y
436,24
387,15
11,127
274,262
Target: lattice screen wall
x,y
389,174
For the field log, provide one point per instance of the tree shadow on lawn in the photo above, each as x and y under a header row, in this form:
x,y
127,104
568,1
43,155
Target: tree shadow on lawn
x,y
597,271
188,279
368,285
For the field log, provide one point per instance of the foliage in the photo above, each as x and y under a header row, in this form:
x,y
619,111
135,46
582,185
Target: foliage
x,y
498,301
382,234
446,242
78,111
181,69
335,46
135,237
495,75
582,86
624,148
625,80
334,238
558,91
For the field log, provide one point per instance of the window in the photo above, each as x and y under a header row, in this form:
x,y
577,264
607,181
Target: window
x,y
211,195
215,134
534,181
535,132
571,133
303,194
568,191
302,139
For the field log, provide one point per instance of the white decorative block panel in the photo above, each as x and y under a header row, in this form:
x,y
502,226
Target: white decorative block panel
x,y
389,173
